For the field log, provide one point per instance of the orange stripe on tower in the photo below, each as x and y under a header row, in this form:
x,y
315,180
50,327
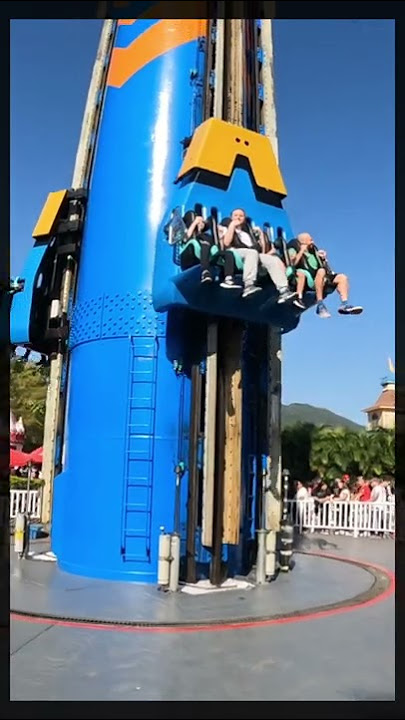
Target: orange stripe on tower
x,y
165,35
126,22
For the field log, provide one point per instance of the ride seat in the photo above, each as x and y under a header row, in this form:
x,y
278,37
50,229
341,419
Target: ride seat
x,y
291,250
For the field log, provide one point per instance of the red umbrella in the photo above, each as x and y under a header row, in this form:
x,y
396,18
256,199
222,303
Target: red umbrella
x,y
36,456
18,458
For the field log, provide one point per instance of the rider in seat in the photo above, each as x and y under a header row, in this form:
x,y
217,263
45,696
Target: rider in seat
x,y
312,269
234,234
197,229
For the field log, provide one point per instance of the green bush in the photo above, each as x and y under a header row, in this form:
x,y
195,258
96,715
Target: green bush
x,y
20,483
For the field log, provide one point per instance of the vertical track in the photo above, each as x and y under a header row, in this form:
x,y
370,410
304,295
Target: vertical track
x,y
274,345
81,175
193,473
197,393
233,331
229,390
216,569
242,93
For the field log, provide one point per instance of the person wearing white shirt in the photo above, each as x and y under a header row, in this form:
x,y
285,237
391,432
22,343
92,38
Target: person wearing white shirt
x,y
233,235
302,496
379,497
378,492
302,492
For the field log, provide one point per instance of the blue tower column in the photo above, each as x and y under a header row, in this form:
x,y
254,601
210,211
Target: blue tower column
x,y
122,430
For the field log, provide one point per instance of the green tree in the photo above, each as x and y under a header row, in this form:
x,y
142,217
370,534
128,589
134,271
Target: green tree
x,y
296,448
28,387
330,452
378,453
335,451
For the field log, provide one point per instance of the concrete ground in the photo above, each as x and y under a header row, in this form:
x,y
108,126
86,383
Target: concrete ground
x,y
337,657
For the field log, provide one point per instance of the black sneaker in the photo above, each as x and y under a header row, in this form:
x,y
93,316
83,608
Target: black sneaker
x,y
250,290
350,310
286,295
299,304
206,276
229,283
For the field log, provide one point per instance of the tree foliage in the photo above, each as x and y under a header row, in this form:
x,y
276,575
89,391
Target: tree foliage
x,y
28,387
331,452
378,453
296,450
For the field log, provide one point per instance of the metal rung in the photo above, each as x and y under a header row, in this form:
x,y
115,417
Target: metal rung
x,y
136,505
140,558
134,398
142,372
135,424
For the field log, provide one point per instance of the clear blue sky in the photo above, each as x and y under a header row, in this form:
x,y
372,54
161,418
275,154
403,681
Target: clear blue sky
x,y
335,103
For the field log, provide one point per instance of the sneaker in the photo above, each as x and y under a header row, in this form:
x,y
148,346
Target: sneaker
x,y
206,276
229,282
299,304
250,290
322,311
286,295
346,309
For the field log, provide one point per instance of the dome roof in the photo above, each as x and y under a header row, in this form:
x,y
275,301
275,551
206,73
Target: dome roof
x,y
386,399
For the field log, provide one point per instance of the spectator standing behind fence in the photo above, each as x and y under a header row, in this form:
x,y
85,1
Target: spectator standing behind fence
x,y
387,485
379,498
378,491
301,497
362,491
344,492
301,491
321,494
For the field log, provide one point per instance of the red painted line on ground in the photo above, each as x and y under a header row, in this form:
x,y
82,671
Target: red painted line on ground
x,y
230,625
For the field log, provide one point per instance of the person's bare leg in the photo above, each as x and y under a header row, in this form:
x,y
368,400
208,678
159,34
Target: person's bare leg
x,y
342,286
301,279
321,310
319,284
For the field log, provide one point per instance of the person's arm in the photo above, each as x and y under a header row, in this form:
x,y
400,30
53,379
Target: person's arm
x,y
221,234
197,223
267,246
261,240
295,256
228,236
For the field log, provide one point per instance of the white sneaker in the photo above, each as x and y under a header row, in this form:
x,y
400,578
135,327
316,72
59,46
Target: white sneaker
x,y
286,295
229,283
250,290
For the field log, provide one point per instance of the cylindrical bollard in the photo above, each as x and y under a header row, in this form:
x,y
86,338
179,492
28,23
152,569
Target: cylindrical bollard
x,y
20,533
286,485
175,563
286,545
261,557
286,528
164,560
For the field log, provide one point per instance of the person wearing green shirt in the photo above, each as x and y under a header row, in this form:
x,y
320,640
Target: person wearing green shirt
x,y
312,270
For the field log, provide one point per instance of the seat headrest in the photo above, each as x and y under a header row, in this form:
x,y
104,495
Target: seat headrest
x,y
189,217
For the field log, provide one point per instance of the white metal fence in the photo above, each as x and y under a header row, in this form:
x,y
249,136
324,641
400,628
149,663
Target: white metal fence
x,y
18,503
352,517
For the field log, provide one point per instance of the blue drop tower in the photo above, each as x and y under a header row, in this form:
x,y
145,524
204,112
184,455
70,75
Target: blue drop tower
x,y
135,336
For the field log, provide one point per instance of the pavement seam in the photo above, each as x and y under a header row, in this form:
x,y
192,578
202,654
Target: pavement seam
x,y
35,637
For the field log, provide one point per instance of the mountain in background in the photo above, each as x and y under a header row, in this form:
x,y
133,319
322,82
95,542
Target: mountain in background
x,y
298,412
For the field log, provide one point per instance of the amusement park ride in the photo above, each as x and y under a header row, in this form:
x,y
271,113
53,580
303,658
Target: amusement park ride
x,y
179,382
